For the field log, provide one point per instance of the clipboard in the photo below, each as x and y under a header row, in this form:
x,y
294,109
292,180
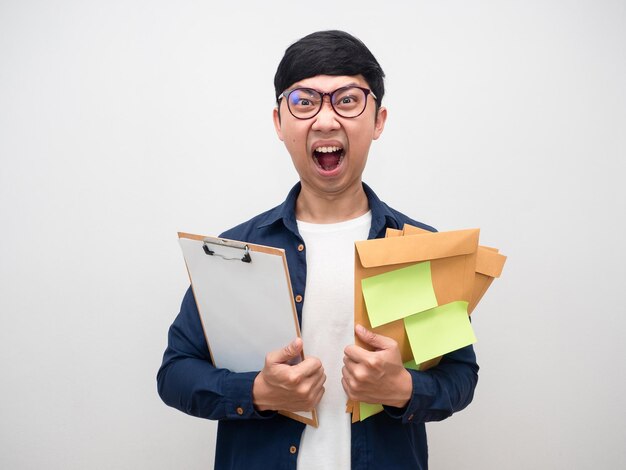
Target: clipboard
x,y
244,298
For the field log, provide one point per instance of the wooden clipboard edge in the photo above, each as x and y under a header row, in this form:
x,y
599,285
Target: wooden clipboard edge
x,y
311,422
270,251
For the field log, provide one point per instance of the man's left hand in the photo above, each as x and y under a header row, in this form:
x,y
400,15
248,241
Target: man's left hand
x,y
376,376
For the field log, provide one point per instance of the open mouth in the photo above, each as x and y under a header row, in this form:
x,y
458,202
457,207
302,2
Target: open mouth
x,y
328,158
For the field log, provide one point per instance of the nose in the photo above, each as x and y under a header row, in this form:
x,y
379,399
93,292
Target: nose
x,y
326,119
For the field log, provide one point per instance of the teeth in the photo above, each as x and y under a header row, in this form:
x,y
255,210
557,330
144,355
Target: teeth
x,y
327,149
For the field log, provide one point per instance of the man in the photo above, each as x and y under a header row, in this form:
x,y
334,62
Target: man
x,y
329,89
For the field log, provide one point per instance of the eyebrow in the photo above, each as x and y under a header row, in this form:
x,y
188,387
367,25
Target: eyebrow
x,y
297,85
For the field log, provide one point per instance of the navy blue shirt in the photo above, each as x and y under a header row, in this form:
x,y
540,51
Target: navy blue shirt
x,y
247,439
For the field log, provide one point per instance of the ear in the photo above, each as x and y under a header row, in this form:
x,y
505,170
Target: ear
x,y
381,117
277,126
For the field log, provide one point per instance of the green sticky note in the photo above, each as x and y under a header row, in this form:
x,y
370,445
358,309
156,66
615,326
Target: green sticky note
x,y
439,330
367,409
397,294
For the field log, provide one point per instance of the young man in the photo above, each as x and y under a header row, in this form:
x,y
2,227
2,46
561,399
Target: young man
x,y
329,89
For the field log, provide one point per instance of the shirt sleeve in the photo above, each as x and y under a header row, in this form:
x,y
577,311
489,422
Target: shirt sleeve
x,y
188,381
442,390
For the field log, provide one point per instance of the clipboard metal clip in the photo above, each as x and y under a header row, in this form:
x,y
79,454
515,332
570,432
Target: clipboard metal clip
x,y
246,258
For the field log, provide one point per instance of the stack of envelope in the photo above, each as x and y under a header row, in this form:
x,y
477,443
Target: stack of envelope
x,y
419,288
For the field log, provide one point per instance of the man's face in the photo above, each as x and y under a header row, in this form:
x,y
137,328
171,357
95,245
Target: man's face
x,y
328,151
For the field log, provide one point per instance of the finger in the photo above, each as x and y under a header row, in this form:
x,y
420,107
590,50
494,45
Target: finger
x,y
356,390
347,375
318,397
345,372
373,339
315,383
346,388
318,384
315,393
289,352
310,367
350,364
323,380
355,353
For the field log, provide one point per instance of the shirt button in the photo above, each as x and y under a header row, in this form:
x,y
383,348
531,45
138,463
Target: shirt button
x,y
239,410
301,247
298,298
293,450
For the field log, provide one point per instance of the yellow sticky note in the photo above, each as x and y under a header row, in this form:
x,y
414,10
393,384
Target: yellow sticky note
x,y
399,293
439,330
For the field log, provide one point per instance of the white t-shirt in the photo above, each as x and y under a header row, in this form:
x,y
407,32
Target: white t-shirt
x,y
327,328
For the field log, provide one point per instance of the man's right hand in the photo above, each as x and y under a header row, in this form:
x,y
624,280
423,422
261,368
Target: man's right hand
x,y
281,386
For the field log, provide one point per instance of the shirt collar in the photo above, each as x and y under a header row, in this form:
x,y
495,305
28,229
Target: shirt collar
x,y
382,216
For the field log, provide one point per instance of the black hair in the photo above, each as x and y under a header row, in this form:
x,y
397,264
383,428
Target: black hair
x,y
329,53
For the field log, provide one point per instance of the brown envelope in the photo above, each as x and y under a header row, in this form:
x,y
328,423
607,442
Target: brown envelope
x,y
452,257
453,260
489,264
394,232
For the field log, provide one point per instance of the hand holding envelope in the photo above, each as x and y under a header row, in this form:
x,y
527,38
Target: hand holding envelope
x,y
417,288
378,375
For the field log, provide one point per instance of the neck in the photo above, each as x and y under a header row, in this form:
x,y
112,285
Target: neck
x,y
323,208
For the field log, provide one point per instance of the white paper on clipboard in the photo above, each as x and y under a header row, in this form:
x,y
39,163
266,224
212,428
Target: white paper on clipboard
x,y
246,307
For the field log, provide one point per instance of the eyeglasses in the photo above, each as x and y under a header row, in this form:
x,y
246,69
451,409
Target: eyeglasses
x,y
347,102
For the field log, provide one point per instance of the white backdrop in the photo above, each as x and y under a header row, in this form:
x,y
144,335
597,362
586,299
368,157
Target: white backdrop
x,y
122,122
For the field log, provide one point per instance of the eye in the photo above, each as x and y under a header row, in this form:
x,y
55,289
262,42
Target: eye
x,y
348,99
303,98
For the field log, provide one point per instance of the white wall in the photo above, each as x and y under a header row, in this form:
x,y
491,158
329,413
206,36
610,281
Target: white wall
x,y
124,122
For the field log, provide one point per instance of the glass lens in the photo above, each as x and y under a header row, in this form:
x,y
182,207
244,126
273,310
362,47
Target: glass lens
x,y
349,101
304,102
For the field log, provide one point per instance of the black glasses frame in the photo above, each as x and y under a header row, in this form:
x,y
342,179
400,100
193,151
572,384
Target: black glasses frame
x,y
287,93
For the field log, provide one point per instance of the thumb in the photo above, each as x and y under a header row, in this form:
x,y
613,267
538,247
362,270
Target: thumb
x,y
288,353
377,341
